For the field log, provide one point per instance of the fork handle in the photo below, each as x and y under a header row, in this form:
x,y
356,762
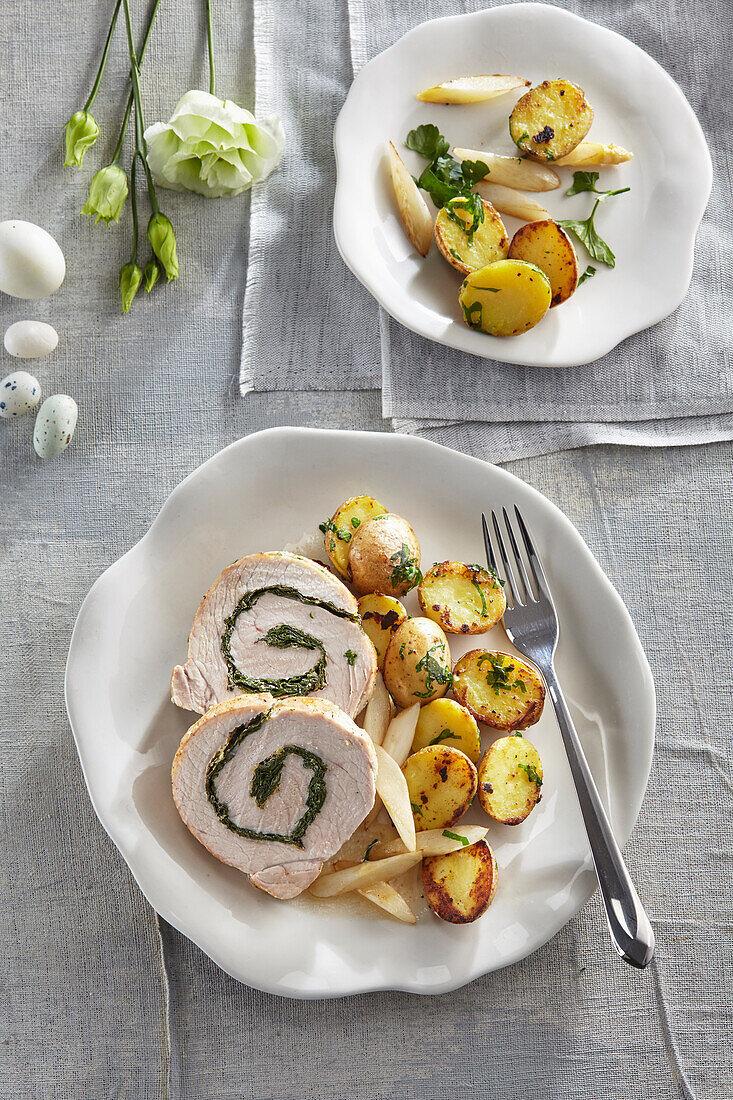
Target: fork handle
x,y
631,930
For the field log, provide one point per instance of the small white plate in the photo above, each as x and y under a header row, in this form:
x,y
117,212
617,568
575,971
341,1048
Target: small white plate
x,y
637,105
261,493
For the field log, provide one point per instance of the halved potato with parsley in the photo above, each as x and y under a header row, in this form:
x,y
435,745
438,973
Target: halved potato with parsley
x,y
446,722
384,556
546,245
417,664
464,599
510,780
550,120
442,782
499,689
470,237
506,298
459,887
380,617
339,529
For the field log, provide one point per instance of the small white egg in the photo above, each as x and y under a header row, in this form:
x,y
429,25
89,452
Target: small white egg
x,y
19,393
30,339
55,425
31,263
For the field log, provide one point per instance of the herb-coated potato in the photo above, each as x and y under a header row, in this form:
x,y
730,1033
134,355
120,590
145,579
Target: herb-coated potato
x,y
384,556
416,218
499,689
459,887
464,599
466,251
446,722
442,782
510,780
551,119
380,617
338,531
417,662
506,298
547,246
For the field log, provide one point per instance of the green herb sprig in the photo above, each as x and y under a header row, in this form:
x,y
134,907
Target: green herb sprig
x,y
449,182
585,230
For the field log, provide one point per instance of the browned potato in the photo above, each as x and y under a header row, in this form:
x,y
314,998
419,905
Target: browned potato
x,y
468,251
510,780
459,887
380,617
417,662
339,530
550,120
384,556
446,722
547,246
499,689
464,599
442,782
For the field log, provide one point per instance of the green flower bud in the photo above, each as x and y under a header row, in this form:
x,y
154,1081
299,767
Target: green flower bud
x,y
163,242
81,133
130,278
152,274
107,194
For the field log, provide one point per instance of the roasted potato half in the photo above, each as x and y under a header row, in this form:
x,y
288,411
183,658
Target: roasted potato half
x,y
459,887
550,120
467,250
417,662
339,530
547,246
442,782
499,689
446,722
380,617
510,780
416,218
464,599
384,556
506,298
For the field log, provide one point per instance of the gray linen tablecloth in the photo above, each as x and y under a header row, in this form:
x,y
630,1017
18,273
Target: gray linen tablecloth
x,y
100,998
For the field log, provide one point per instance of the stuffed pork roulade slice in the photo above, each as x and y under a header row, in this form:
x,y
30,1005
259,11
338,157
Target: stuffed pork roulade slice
x,y
277,623
274,787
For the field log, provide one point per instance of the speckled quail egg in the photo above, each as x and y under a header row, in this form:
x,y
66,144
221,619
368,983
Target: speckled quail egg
x,y
19,393
55,425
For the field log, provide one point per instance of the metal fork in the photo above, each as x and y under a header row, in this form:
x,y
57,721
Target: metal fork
x,y
531,624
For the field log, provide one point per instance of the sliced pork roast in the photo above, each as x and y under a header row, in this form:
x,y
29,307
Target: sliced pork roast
x,y
279,623
274,787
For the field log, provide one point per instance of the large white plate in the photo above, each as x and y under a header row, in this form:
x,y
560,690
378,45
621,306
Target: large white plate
x,y
260,493
637,105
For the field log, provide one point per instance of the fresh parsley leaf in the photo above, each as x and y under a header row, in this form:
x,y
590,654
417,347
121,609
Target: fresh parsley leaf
x,y
587,274
532,774
435,672
355,522
444,735
456,836
339,532
406,569
350,656
369,848
472,314
467,211
586,232
586,181
428,141
473,171
445,179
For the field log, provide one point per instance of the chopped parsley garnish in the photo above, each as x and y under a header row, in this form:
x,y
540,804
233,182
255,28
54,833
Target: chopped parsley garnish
x,y
416,809
531,773
406,569
444,735
587,274
456,836
369,848
339,532
455,255
498,677
350,656
586,230
435,673
445,179
472,314
467,211
479,589
355,522
402,651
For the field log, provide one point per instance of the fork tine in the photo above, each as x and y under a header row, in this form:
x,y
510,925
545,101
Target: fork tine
x,y
513,587
528,589
534,562
490,557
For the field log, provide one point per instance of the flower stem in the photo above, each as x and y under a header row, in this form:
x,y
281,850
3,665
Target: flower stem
x,y
130,99
210,40
103,62
133,205
141,148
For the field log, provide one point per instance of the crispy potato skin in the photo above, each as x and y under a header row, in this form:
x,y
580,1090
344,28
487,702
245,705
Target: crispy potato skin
x,y
442,782
464,599
446,722
347,519
375,552
547,246
459,887
550,120
489,243
417,650
380,617
505,298
478,684
505,790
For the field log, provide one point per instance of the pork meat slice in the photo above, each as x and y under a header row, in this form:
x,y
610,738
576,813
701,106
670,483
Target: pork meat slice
x,y
327,737
350,660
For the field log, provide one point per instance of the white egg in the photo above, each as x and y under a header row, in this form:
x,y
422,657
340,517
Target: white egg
x,y
31,263
19,393
55,425
30,339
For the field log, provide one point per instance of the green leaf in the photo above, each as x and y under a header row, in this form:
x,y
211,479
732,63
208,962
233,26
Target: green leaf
x,y
457,836
532,774
586,232
473,171
587,274
428,141
583,181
